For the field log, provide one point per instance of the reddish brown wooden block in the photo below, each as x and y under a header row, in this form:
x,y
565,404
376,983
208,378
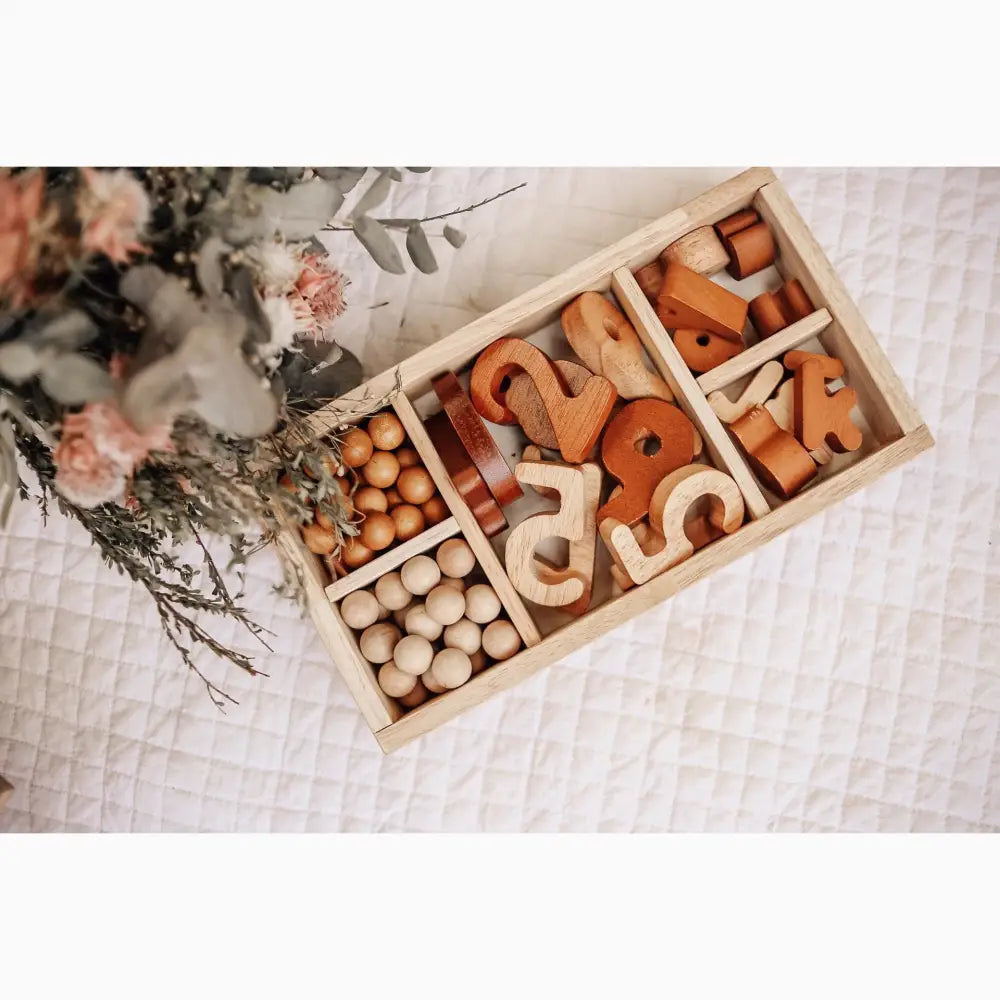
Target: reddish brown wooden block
x,y
689,300
773,311
526,403
747,241
576,420
777,458
702,351
821,418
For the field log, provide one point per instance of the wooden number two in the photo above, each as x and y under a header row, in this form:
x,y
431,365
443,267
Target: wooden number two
x,y
579,490
671,499
576,420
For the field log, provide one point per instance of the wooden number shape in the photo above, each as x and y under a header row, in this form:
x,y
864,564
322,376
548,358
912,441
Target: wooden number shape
x,y
608,345
576,420
623,454
671,500
649,541
778,459
579,489
782,408
760,387
522,397
821,418
689,301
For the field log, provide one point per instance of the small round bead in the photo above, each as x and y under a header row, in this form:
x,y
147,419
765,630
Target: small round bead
x,y
430,683
416,697
378,641
445,605
418,622
394,682
451,668
407,457
420,575
481,603
392,592
386,431
360,609
381,469
415,484
355,553
378,531
356,448
435,510
479,661
409,521
413,654
463,635
501,640
454,583
456,558
369,498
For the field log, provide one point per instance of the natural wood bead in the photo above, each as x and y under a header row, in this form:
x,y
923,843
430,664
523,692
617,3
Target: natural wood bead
x,y
378,531
370,498
750,250
355,448
479,661
431,683
434,510
689,300
392,498
360,609
407,457
420,575
381,469
455,557
413,654
409,521
445,605
318,539
417,696
464,635
702,351
500,640
451,668
395,682
418,622
378,641
454,583
355,553
481,603
391,592
415,484
778,459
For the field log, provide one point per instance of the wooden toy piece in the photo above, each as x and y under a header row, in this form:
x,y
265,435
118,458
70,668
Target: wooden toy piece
x,y
577,420
650,279
688,300
608,345
451,668
777,458
821,418
747,241
671,499
701,250
650,542
359,609
532,453
759,388
526,403
782,408
579,491
639,425
773,311
702,351
501,640
476,440
470,484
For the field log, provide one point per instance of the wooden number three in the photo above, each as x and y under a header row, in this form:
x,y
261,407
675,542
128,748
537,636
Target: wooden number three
x,y
671,500
576,420
579,489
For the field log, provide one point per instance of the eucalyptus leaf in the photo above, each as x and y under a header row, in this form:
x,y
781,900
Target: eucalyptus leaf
x,y
70,331
454,236
19,361
419,249
294,214
209,269
159,392
377,192
418,170
345,178
235,400
72,379
376,240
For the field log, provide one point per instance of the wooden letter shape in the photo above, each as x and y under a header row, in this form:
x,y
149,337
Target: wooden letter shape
x,y
671,500
576,420
689,301
777,458
623,455
821,418
761,386
782,408
579,489
608,345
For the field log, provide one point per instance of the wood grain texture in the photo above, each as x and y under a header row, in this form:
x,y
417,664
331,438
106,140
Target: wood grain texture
x,y
481,546
821,417
887,405
782,407
777,458
701,250
689,300
365,575
687,392
756,392
525,401
626,606
767,350
703,351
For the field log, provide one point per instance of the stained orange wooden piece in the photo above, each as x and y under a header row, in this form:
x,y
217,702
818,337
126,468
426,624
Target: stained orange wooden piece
x,y
643,421
747,241
687,299
778,459
822,418
576,420
702,351
525,401
773,311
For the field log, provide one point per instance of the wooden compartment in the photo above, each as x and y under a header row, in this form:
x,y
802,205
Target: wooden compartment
x,y
894,434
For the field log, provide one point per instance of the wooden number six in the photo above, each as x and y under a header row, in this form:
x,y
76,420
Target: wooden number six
x,y
671,499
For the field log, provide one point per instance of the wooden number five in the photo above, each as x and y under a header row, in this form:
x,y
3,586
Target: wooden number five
x,y
576,420
671,500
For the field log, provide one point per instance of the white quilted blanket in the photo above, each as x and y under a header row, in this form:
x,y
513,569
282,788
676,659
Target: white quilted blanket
x,y
845,677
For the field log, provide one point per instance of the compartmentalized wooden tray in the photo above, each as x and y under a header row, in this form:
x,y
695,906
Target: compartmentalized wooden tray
x,y
897,430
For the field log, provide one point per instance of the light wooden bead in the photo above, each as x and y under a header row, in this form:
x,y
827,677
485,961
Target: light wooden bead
x,y
392,592
464,635
420,575
454,583
451,668
381,469
394,682
415,484
399,615
479,661
413,654
500,640
378,531
383,611
409,521
360,609
416,697
369,498
386,431
455,558
481,603
378,642
418,622
355,448
430,683
445,605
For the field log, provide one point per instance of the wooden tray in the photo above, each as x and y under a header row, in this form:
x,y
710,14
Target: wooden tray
x,y
895,433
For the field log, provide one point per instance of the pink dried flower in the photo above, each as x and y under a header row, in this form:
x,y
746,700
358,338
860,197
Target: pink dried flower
x,y
318,296
20,224
83,475
114,210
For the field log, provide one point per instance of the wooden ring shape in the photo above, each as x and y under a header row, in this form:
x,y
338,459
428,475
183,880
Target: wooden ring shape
x,y
624,457
470,484
477,440
702,351
576,420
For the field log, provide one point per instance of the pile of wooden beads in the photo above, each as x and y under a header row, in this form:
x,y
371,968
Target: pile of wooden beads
x,y
394,497
442,632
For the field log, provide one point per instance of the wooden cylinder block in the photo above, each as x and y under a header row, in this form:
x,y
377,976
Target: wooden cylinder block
x,y
777,458
701,250
748,242
702,351
773,311
737,221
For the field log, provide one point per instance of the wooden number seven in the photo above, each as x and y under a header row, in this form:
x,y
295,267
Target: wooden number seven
x,y
671,499
579,490
576,420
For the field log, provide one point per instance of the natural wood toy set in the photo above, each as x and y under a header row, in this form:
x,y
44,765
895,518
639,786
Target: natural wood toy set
x,y
592,447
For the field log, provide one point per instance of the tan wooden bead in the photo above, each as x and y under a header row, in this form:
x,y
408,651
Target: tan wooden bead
x,y
394,682
500,640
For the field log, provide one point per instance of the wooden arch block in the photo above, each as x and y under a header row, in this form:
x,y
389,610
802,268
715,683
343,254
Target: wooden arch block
x,y
579,489
624,457
777,458
608,345
758,389
688,300
773,311
671,499
576,420
747,241
821,418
